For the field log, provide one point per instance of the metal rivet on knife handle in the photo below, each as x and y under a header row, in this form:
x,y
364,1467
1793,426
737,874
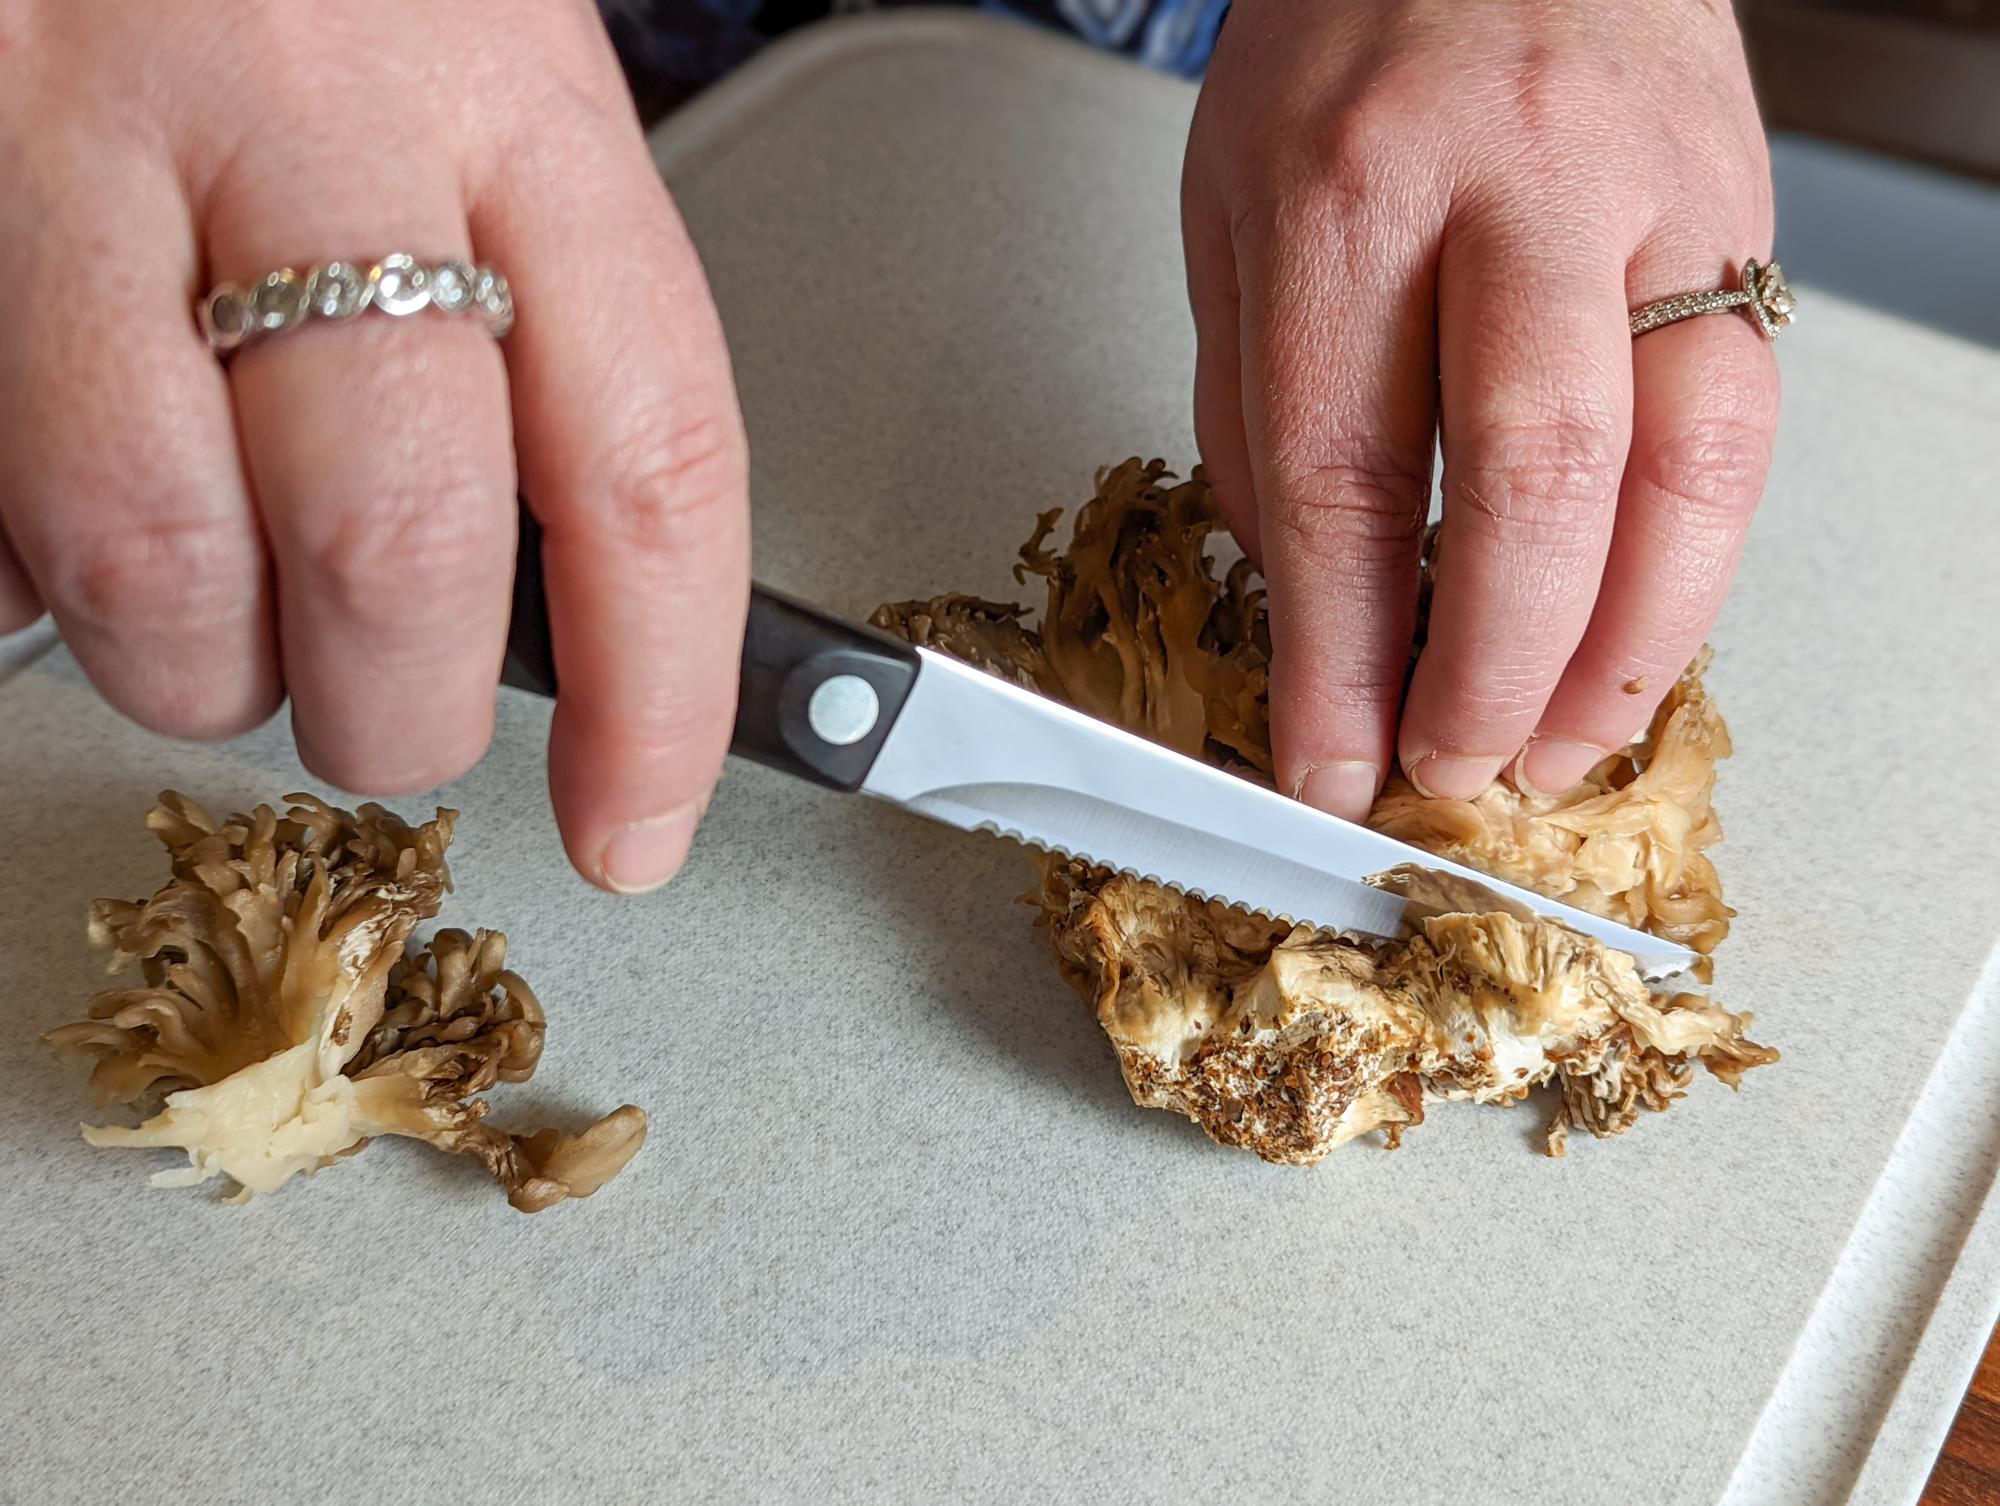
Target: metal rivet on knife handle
x,y
843,710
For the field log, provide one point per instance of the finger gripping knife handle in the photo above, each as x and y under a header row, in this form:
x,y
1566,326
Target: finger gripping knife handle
x,y
817,696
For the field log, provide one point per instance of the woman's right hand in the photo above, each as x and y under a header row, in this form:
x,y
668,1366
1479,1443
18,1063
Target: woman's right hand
x,y
331,515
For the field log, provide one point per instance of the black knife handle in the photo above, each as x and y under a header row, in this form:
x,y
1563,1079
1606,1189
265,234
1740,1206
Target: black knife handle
x,y
818,695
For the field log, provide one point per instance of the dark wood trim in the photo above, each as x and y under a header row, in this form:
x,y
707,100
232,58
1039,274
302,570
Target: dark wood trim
x,y
1918,88
1968,1471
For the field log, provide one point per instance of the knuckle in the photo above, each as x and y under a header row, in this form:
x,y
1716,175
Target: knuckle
x,y
679,728
1347,539
1543,484
1711,470
1351,695
153,570
1352,152
1323,173
1499,699
1370,503
446,535
1354,156
1547,89
670,489
1489,700
165,612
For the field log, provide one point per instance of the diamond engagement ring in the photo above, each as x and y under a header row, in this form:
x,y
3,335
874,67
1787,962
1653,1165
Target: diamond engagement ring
x,y
398,284
1764,296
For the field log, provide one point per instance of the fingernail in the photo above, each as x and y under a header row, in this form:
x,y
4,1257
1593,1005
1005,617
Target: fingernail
x,y
644,855
1345,789
1443,777
1553,765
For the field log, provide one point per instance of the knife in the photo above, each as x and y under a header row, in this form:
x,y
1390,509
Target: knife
x,y
854,709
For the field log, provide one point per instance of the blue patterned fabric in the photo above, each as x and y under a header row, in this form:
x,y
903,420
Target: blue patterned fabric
x,y
672,48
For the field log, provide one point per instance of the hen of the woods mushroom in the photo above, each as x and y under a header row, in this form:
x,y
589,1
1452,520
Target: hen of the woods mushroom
x,y
1290,1040
284,1021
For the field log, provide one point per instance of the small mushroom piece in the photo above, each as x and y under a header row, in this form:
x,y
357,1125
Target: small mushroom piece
x,y
284,1020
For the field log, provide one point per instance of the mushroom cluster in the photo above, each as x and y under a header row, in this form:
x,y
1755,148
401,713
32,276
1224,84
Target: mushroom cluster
x,y
285,1019
1289,1040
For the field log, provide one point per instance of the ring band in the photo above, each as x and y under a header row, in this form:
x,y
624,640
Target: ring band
x,y
1764,296
398,284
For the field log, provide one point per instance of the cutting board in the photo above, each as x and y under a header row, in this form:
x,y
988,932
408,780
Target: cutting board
x,y
898,1234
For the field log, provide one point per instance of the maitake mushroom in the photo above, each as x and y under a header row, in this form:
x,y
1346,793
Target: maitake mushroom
x,y
283,1021
1289,1040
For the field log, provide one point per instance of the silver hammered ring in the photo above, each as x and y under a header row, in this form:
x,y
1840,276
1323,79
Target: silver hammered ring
x,y
399,284
1764,296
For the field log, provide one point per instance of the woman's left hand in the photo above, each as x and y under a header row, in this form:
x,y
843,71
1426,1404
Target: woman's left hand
x,y
1411,216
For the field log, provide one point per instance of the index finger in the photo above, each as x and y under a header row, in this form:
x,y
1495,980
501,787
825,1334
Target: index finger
x,y
1339,409
632,458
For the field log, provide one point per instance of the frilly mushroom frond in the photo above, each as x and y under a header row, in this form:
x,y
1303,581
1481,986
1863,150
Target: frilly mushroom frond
x,y
1291,1041
266,921
283,1019
1136,628
457,1022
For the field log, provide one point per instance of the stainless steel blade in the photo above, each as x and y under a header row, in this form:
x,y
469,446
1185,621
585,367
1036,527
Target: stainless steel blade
x,y
973,751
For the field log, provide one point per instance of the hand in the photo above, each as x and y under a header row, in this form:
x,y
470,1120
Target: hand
x,y
1411,216
332,515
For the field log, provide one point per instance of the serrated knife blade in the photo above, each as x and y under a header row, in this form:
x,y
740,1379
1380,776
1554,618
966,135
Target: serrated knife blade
x,y
972,751
850,708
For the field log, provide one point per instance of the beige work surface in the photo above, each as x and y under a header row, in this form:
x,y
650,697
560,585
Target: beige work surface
x,y
898,1234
